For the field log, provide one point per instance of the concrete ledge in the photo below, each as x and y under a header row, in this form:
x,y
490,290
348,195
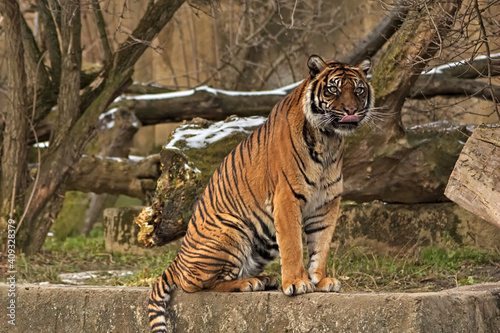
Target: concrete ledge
x,y
117,309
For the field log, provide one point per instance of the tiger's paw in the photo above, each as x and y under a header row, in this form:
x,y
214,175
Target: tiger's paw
x,y
270,282
254,284
250,284
328,285
297,287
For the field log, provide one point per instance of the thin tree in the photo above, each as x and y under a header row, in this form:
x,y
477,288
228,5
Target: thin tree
x,y
34,202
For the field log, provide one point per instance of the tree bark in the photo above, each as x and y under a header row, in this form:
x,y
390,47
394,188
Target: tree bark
x,y
475,181
401,63
13,152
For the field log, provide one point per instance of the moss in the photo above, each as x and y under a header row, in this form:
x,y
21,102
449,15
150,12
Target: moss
x,y
389,65
70,219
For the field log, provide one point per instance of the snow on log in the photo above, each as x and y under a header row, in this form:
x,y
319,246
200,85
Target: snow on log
x,y
475,181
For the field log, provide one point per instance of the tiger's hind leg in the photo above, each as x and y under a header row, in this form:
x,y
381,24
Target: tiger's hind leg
x,y
258,283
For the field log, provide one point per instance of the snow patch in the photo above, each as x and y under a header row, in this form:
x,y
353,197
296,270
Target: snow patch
x,y
439,69
85,277
196,137
44,144
280,91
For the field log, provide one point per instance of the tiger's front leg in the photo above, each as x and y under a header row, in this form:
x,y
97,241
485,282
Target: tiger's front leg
x,y
287,220
319,232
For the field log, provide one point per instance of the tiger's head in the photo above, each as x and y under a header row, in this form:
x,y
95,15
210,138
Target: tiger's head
x,y
339,97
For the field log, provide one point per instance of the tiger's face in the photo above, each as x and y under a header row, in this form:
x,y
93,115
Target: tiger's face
x,y
339,97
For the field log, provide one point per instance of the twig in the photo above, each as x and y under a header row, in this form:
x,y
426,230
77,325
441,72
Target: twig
x,y
101,27
13,199
37,147
485,42
106,254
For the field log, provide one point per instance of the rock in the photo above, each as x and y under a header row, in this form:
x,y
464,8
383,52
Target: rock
x,y
400,228
123,310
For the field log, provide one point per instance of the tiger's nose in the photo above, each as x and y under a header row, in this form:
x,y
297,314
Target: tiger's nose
x,y
350,110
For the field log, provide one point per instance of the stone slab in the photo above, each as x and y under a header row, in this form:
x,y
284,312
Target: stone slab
x,y
121,309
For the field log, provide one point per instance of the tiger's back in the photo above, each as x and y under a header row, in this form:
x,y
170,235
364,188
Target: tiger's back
x,y
285,177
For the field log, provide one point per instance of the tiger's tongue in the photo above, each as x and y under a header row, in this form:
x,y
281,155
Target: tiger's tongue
x,y
349,119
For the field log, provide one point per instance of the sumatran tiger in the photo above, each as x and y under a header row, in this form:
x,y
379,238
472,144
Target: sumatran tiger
x,y
286,176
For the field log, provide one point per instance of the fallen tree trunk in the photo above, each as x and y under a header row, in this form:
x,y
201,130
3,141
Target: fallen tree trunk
x,y
116,175
475,181
443,85
202,102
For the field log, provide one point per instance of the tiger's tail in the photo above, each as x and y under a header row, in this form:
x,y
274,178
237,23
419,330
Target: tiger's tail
x,y
158,299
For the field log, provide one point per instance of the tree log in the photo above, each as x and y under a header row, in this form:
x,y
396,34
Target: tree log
x,y
472,69
116,175
475,181
202,102
443,85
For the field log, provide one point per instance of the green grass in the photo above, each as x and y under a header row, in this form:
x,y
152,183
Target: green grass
x,y
427,269
77,254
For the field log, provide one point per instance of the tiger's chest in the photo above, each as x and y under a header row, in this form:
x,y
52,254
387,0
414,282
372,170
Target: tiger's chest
x,y
325,174
328,187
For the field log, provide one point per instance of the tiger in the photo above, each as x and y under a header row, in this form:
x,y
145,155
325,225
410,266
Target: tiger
x,y
285,178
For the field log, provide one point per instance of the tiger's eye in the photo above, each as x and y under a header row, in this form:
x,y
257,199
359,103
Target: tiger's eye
x,y
333,90
359,90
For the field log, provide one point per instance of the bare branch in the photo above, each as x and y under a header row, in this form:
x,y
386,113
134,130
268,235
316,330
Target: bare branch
x,y
47,16
101,28
485,42
370,45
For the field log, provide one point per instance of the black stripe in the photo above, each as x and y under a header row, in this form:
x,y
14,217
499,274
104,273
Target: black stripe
x,y
295,194
295,152
314,108
315,216
311,231
310,143
327,202
335,181
157,325
309,182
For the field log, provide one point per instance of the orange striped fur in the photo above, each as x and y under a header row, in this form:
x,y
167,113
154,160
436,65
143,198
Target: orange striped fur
x,y
282,180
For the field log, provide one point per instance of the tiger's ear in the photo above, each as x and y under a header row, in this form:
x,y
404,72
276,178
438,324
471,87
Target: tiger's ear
x,y
316,65
365,65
